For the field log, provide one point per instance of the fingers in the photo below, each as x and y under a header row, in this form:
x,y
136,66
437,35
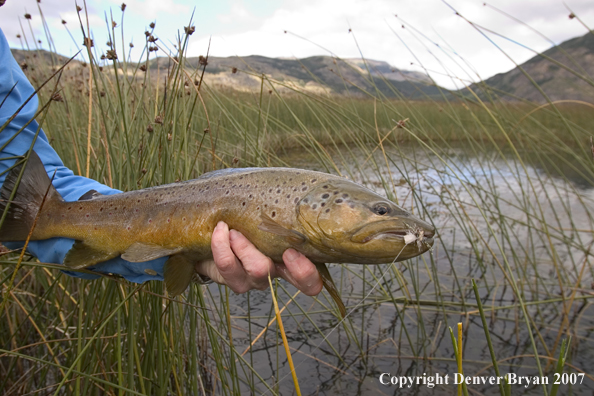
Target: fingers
x,y
240,265
256,265
227,265
302,273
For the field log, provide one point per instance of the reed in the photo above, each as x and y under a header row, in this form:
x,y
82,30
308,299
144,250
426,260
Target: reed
x,y
508,186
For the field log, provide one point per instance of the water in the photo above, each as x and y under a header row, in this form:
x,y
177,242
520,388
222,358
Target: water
x,y
494,212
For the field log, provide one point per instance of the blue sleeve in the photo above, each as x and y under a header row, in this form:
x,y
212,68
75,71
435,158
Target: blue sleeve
x,y
15,89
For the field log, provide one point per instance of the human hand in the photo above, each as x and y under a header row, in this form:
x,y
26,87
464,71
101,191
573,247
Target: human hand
x,y
241,266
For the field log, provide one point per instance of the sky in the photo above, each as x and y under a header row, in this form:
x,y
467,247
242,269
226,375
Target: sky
x,y
455,42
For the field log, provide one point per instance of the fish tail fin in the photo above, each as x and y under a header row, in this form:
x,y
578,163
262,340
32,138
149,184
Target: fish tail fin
x,y
331,287
33,191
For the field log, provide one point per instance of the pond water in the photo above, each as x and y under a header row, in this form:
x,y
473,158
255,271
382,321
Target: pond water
x,y
502,219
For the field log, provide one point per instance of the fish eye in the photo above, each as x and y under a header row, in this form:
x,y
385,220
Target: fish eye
x,y
381,209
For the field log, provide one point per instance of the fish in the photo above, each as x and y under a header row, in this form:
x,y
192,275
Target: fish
x,y
327,218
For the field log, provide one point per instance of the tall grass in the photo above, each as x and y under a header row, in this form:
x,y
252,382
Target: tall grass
x,y
507,185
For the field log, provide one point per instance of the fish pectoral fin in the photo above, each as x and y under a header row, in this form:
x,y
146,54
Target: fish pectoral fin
x,y
139,252
269,225
82,255
331,287
90,195
178,272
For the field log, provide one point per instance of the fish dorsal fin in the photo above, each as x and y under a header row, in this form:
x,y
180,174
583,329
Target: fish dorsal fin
x,y
139,252
269,225
82,255
178,273
331,287
90,195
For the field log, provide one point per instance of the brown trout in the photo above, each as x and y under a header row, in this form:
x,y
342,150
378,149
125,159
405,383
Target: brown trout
x,y
327,218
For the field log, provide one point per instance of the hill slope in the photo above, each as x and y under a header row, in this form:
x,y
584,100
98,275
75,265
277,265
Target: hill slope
x,y
317,74
557,82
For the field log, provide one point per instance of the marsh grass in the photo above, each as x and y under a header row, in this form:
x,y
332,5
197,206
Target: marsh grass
x,y
508,186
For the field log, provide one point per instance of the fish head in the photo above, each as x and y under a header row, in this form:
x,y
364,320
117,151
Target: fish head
x,y
352,223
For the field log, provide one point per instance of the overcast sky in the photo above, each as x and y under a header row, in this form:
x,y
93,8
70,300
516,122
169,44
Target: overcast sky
x,y
344,28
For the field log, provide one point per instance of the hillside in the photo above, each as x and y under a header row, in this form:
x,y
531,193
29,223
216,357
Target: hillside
x,y
316,74
556,81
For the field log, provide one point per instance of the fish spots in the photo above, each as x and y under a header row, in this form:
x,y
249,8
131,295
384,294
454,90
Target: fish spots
x,y
273,213
278,191
270,190
169,220
240,177
227,193
128,228
110,213
325,196
100,209
338,200
314,180
352,206
296,200
87,215
345,195
323,204
138,201
314,206
304,189
150,220
183,219
306,200
288,196
243,203
276,201
80,208
70,207
136,210
327,210
335,192
250,196
326,186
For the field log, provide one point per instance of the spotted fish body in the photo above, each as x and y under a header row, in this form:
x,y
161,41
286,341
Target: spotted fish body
x,y
327,218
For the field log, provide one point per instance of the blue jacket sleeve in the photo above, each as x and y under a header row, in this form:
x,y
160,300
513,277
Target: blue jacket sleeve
x,y
15,89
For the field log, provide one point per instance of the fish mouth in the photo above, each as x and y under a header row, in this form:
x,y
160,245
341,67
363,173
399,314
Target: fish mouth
x,y
390,230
